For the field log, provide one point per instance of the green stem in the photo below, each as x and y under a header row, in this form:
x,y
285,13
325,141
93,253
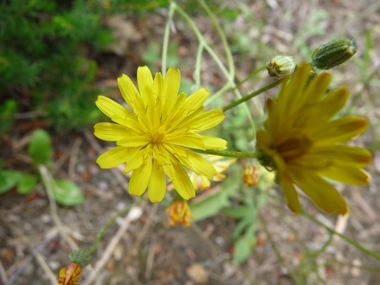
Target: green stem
x,y
276,251
197,72
332,231
217,60
166,37
231,65
325,245
110,222
253,94
226,153
251,75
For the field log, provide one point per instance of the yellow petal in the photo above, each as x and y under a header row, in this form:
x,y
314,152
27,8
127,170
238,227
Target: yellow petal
x,y
206,121
135,161
112,109
272,124
264,140
180,179
191,140
195,100
140,178
172,82
202,165
133,141
316,89
205,183
115,157
127,89
290,95
158,85
111,132
334,101
321,192
157,183
214,143
351,155
290,192
345,174
144,78
338,131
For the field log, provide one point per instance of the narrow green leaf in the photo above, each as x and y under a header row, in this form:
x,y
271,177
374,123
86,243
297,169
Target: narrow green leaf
x,y
67,193
8,180
243,248
40,147
237,212
26,184
209,206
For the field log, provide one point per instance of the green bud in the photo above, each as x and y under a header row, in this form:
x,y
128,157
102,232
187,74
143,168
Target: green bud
x,y
333,53
81,257
281,66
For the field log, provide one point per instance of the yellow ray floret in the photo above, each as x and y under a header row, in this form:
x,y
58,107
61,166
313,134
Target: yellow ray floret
x,y
154,138
304,144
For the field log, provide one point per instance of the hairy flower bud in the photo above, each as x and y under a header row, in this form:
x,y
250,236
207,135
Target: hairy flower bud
x,y
281,66
333,53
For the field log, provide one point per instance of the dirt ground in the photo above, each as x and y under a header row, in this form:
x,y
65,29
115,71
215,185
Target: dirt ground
x,y
143,249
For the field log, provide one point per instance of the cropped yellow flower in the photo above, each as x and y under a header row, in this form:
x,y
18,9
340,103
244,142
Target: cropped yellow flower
x,y
201,182
179,212
154,139
304,144
70,275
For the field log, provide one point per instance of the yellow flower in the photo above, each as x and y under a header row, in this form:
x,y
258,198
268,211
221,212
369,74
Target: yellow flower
x,y
251,175
179,212
304,144
201,182
154,139
70,275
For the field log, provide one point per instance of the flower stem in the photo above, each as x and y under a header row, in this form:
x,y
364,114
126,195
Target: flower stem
x,y
227,153
253,94
251,75
110,222
332,231
166,37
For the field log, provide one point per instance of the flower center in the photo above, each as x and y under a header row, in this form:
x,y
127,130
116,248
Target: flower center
x,y
159,135
292,146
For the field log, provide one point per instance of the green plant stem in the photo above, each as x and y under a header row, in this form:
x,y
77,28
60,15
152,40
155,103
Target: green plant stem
x,y
197,72
332,231
166,37
253,94
217,60
110,222
276,251
227,153
251,75
324,246
231,65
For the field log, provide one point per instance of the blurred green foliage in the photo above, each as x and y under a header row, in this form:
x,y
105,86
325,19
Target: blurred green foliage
x,y
43,60
40,149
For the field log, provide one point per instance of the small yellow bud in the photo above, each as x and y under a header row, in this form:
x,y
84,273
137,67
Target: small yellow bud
x,y
250,175
281,66
70,275
333,53
179,212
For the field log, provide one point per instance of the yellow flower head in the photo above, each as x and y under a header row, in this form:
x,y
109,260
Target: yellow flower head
x,y
251,175
220,164
70,275
304,144
154,139
179,212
